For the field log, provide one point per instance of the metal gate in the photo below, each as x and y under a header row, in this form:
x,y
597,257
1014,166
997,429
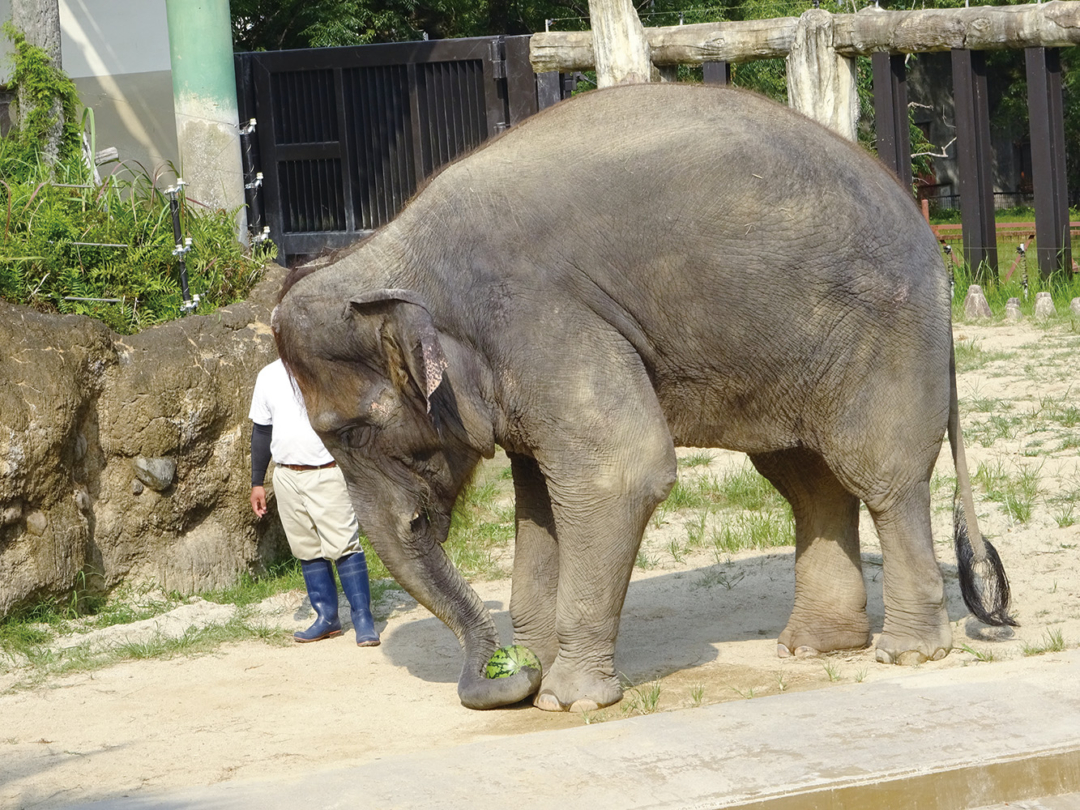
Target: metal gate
x,y
344,136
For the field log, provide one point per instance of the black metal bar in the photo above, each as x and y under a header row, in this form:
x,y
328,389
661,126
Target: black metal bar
x,y
891,115
716,72
974,152
521,82
548,89
1053,245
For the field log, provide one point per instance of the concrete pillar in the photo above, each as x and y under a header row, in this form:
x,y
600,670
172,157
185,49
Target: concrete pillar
x,y
821,83
204,97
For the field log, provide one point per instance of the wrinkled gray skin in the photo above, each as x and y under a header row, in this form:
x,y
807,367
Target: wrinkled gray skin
x,y
638,269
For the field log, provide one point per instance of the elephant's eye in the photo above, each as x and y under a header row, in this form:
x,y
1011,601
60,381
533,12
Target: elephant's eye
x,y
355,437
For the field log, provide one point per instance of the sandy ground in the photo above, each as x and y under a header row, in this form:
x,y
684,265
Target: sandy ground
x,y
696,629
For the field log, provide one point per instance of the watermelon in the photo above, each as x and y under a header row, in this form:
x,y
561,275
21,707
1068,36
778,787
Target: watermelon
x,y
507,661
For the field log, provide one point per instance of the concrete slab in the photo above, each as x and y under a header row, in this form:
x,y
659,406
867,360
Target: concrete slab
x,y
961,738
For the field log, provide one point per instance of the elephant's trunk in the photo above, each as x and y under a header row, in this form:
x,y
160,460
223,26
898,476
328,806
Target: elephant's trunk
x,y
421,567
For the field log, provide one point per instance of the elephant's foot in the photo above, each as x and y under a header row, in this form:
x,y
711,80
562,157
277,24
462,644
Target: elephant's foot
x,y
479,692
566,689
802,641
908,649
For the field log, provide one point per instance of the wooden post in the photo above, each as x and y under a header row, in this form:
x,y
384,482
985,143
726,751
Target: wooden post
x,y
1053,244
891,114
619,43
973,153
821,83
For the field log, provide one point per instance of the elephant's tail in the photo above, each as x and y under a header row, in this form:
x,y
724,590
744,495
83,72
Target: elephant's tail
x,y
983,582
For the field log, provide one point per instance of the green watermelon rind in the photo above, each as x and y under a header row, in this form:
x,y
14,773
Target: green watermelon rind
x,y
510,660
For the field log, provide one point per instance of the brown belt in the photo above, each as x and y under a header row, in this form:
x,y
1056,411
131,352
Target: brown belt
x,y
303,467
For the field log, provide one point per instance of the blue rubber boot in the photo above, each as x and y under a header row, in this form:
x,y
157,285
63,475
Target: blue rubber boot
x,y
322,592
352,571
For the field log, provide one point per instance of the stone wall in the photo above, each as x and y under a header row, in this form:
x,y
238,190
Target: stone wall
x,y
126,458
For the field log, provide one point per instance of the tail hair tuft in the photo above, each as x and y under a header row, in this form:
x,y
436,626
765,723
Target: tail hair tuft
x,y
983,583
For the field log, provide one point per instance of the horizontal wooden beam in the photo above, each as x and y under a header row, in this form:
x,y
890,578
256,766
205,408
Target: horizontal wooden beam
x,y
1052,25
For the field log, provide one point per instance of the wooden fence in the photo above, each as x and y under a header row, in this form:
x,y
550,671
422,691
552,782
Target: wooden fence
x,y
820,49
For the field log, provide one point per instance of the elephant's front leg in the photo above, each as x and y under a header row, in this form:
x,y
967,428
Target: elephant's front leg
x,y
536,563
600,520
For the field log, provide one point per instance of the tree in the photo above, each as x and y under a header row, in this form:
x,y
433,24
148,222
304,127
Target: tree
x,y
39,22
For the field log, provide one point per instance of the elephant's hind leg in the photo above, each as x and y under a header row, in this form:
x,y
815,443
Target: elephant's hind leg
x,y
916,623
830,596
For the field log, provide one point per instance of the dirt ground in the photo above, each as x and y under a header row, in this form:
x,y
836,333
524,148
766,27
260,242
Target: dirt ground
x,y
697,630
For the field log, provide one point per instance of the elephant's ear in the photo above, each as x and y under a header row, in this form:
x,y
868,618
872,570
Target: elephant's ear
x,y
407,331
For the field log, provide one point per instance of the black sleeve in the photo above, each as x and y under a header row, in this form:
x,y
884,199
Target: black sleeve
x,y
260,452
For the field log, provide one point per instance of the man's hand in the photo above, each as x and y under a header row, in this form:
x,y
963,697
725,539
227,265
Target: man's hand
x,y
258,500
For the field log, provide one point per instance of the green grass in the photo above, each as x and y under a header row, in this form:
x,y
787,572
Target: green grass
x,y
1054,642
755,530
970,357
994,428
1016,492
480,530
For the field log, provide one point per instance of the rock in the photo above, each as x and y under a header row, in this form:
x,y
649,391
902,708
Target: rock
x,y
82,407
1012,310
1044,305
1074,307
12,513
37,523
156,473
975,304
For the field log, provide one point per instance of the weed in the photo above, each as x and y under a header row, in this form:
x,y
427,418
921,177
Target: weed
x,y
969,357
755,530
642,699
1064,516
832,670
716,575
644,561
1054,643
986,656
479,531
699,459
695,530
697,694
1016,493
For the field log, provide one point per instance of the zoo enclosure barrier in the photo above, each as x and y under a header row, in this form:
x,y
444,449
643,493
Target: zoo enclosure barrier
x,y
344,136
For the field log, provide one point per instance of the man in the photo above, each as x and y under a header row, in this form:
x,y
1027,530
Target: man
x,y
313,504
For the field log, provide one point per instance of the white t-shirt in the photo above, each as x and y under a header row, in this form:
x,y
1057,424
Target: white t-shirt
x,y
278,402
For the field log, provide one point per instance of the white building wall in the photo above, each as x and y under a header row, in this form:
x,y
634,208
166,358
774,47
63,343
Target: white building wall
x,y
117,52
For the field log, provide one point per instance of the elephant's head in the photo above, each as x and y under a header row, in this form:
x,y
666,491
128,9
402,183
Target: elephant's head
x,y
399,408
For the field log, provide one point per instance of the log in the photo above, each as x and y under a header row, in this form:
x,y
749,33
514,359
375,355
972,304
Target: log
x,y
1052,25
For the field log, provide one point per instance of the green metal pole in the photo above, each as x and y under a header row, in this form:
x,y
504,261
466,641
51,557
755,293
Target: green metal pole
x,y
204,99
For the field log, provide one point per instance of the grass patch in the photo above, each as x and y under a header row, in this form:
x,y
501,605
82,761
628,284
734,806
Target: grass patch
x,y
1054,643
755,530
700,459
1015,492
970,357
994,428
480,529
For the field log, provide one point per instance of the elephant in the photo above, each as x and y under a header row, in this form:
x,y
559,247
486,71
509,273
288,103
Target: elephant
x,y
631,270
